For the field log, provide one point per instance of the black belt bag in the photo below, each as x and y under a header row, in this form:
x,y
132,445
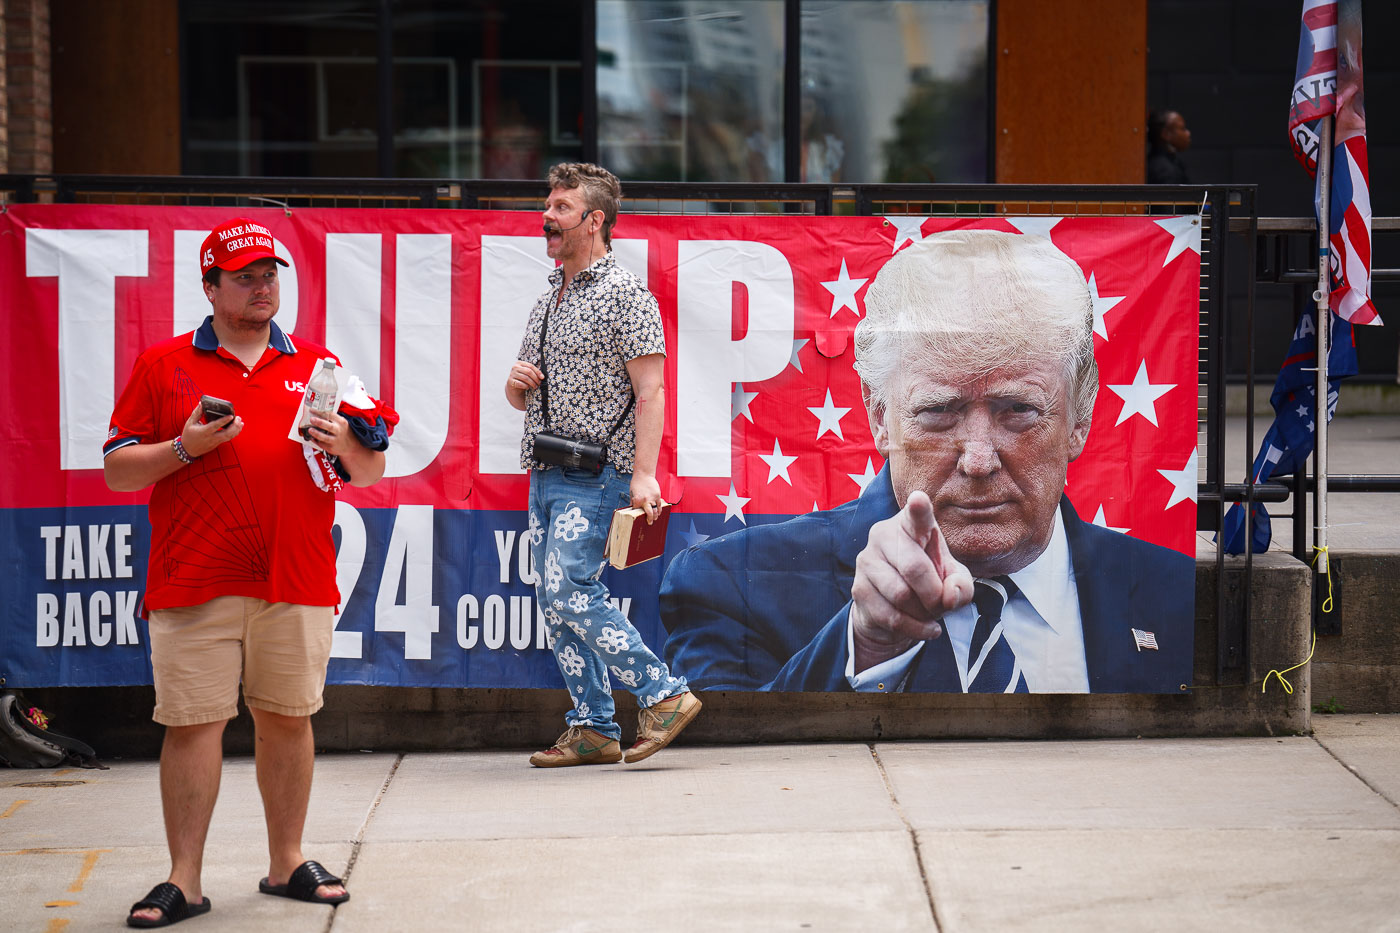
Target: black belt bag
x,y
558,450
567,452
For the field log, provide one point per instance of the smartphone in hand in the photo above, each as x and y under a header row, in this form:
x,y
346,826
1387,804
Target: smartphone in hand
x,y
215,408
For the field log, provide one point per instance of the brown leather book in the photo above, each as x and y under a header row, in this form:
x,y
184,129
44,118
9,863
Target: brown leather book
x,y
631,540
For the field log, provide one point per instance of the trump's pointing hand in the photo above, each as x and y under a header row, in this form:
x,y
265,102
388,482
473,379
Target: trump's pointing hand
x,y
905,581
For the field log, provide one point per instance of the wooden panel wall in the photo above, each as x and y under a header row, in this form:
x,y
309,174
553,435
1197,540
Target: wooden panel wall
x,y
1071,91
116,87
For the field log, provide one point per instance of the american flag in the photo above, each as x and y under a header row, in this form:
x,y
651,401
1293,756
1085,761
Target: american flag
x,y
1146,640
1328,82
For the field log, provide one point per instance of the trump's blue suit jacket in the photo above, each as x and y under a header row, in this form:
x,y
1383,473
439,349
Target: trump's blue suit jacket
x,y
766,608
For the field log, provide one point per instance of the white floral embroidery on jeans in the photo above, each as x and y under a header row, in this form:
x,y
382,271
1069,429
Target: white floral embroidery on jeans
x,y
579,602
629,678
612,640
571,524
553,572
570,662
536,532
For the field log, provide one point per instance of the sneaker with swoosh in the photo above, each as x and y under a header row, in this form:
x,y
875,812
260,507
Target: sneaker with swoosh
x,y
658,725
579,746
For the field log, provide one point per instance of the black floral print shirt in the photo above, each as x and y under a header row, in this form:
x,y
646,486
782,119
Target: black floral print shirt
x,y
606,317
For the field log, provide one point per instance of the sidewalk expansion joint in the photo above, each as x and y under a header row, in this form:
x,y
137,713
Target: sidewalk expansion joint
x,y
913,836
364,826
1356,774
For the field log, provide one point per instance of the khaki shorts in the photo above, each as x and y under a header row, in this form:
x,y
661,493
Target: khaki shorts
x,y
199,652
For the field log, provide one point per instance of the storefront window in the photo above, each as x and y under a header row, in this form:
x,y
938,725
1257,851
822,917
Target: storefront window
x,y
691,90
280,88
485,89
894,91
687,90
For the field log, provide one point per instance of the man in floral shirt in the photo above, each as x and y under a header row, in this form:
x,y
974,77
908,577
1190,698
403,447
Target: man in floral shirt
x,y
598,380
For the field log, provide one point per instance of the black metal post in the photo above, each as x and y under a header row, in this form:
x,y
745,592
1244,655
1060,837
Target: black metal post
x,y
1231,625
384,72
792,91
588,79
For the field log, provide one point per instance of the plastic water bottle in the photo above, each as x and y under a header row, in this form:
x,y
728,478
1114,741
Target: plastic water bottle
x,y
321,392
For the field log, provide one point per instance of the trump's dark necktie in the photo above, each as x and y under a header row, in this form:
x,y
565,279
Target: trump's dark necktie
x,y
990,660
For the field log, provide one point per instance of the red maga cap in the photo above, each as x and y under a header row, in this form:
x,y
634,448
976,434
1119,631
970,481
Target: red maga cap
x,y
235,243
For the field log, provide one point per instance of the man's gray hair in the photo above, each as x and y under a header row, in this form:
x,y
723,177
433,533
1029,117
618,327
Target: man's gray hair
x,y
983,300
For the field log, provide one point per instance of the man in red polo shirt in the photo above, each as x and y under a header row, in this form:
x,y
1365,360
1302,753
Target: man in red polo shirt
x,y
241,584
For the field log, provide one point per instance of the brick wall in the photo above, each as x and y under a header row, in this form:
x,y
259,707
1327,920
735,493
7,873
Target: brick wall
x,y
29,116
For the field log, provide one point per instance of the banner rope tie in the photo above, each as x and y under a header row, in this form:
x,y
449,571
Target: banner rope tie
x,y
1283,681
286,208
1326,603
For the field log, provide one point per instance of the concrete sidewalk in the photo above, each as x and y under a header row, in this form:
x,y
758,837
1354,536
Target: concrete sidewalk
x,y
1271,834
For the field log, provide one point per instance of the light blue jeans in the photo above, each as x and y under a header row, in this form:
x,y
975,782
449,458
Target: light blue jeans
x,y
570,513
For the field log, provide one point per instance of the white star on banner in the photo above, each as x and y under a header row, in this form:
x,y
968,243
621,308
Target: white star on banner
x,y
843,291
1102,305
693,537
1140,398
1302,411
1034,226
1186,234
795,361
734,505
739,402
906,229
829,417
863,479
1183,480
1102,522
778,463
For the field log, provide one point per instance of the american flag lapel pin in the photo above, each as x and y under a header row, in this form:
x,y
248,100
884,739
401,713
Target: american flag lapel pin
x,y
1144,639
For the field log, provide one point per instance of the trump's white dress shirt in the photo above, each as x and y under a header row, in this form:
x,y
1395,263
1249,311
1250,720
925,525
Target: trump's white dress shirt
x,y
1041,622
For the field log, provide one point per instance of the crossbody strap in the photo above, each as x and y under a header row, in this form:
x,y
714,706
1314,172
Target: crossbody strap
x,y
544,386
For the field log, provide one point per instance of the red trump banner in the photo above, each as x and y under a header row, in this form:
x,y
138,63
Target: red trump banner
x,y
792,431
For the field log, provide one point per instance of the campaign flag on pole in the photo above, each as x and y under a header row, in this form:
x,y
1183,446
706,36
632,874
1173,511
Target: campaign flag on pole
x,y
1327,83
1289,440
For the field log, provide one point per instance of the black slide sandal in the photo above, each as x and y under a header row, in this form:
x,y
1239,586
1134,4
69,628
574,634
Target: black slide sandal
x,y
302,885
170,901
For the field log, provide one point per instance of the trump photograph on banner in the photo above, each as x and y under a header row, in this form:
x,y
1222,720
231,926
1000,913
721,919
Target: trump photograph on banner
x,y
963,565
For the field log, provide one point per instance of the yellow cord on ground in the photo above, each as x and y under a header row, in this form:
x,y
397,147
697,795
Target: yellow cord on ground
x,y
1283,681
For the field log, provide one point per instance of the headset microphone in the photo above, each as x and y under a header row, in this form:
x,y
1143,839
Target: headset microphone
x,y
559,229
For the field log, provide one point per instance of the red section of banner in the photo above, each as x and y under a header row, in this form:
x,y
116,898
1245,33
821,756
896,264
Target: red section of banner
x,y
429,307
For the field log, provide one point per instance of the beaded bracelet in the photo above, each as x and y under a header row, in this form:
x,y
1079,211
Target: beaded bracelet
x,y
178,445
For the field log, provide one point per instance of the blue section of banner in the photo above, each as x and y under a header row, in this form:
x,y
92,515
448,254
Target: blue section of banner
x,y
72,586
74,578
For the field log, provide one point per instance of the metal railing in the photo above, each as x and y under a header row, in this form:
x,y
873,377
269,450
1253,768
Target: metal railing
x,y
1280,241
